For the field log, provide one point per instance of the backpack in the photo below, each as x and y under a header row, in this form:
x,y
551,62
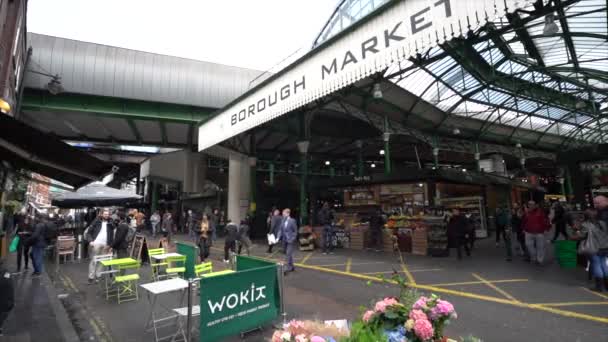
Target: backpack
x,y
50,232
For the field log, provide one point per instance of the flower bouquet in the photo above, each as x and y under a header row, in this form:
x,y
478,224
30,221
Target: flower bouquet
x,y
308,331
395,322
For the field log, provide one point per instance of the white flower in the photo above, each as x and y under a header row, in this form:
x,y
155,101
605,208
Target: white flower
x,y
286,336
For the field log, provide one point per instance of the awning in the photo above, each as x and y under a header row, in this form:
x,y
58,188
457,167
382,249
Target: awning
x,y
95,195
28,148
398,31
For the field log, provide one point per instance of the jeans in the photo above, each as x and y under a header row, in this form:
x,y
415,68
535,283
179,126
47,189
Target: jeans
x,y
291,246
95,267
203,248
599,266
328,235
463,241
536,246
154,229
23,251
37,255
228,246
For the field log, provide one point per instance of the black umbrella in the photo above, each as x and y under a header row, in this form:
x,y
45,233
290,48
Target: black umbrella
x,y
95,195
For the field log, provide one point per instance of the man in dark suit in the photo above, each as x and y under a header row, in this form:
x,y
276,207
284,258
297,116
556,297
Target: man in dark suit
x,y
289,233
275,227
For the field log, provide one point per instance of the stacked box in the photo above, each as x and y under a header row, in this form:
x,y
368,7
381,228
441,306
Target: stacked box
x,y
419,241
358,238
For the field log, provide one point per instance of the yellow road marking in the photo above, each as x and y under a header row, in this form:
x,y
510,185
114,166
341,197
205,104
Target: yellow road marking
x,y
408,275
595,293
495,288
412,271
348,264
481,282
571,303
565,313
95,327
305,259
354,264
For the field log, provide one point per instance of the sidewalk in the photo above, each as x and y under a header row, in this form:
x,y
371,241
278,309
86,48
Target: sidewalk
x,y
38,314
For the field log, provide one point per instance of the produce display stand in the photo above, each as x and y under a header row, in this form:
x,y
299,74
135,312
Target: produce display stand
x,y
470,205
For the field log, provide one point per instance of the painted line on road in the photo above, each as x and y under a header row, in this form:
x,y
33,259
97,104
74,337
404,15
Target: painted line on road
x,y
572,304
564,313
412,271
495,288
353,264
595,293
349,264
408,275
481,282
305,259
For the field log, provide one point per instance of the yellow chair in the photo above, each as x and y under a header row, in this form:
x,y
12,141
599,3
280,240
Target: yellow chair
x,y
206,267
126,284
176,266
156,266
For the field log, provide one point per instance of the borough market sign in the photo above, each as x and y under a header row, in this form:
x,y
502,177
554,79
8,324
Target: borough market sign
x,y
403,29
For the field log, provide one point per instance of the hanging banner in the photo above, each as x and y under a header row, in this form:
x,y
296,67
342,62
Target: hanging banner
x,y
403,29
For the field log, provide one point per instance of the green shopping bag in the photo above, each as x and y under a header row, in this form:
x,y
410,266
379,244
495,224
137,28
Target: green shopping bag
x,y
13,247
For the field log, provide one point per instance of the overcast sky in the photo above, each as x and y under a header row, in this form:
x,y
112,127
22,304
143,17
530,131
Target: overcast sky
x,y
247,33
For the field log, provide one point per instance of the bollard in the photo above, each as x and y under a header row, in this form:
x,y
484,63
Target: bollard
x,y
79,252
281,276
189,318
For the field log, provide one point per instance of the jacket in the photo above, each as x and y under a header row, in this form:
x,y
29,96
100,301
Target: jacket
x,y
275,225
535,222
7,291
458,227
37,239
120,237
232,232
96,227
289,230
325,216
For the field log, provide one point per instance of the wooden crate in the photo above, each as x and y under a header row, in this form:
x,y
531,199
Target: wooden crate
x,y
358,237
419,241
387,239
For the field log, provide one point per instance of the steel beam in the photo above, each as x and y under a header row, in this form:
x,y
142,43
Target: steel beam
x,y
38,100
134,130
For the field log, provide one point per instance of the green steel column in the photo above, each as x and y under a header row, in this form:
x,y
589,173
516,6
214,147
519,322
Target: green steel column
x,y
154,200
332,172
360,168
271,180
303,188
253,185
568,184
387,148
477,157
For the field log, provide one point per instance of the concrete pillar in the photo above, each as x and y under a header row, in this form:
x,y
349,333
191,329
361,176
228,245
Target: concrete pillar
x,y
235,165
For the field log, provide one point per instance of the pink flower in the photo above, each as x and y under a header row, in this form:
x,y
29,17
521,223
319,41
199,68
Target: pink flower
x,y
276,337
368,315
317,339
301,338
442,309
421,303
424,329
380,306
389,301
417,315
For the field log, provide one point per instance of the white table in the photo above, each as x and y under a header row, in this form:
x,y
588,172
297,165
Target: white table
x,y
154,290
160,257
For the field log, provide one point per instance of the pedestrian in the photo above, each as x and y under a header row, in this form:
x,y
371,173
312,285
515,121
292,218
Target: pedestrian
x,y
458,226
38,242
7,295
24,231
325,218
535,223
502,218
516,218
289,232
167,225
376,222
215,221
275,228
190,226
140,218
120,243
203,240
560,220
243,237
601,204
594,233
155,220
100,237
231,238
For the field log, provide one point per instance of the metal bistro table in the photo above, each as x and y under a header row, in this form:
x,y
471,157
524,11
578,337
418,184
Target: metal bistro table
x,y
161,257
108,264
154,290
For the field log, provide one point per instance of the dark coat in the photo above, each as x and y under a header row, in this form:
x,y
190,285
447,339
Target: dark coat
x,y
96,227
37,239
232,232
325,216
275,225
120,237
7,291
458,227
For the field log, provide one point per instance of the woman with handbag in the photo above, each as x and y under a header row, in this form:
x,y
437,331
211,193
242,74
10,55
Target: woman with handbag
x,y
203,241
594,245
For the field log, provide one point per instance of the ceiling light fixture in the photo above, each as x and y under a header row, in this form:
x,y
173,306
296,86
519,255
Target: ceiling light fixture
x,y
381,152
373,165
376,91
327,162
456,131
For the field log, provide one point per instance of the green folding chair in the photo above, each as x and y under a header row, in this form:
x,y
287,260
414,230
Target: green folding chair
x,y
154,265
200,269
176,266
126,284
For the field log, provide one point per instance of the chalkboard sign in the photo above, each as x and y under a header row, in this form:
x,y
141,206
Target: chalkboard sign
x,y
341,238
139,248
